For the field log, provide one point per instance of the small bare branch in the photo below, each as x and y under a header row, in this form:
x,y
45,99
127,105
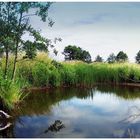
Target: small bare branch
x,y
28,15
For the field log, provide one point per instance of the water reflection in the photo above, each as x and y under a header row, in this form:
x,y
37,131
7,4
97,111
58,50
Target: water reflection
x,y
98,112
55,127
132,116
41,102
121,91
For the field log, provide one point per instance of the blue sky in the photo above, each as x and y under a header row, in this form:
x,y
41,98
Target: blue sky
x,y
100,28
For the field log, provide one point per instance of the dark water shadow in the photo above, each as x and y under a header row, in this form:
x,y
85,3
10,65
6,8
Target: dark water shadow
x,y
6,130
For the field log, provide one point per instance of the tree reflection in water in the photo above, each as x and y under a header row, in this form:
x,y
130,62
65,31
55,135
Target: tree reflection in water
x,y
41,103
55,127
133,118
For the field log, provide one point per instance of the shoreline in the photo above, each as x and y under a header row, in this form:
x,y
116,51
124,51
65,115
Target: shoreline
x,y
82,86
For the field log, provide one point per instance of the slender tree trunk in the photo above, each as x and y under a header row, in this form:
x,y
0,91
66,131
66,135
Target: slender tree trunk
x,y
15,60
16,49
6,64
6,47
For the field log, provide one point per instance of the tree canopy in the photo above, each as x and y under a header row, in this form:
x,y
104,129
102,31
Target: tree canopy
x,y
15,22
76,53
121,57
138,58
111,58
98,58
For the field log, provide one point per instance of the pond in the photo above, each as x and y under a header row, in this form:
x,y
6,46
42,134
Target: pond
x,y
99,112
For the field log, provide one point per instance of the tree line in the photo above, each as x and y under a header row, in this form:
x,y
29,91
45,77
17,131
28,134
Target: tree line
x,y
72,52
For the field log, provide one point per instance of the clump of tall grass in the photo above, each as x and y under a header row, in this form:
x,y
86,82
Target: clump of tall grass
x,y
116,73
68,75
40,74
10,93
84,74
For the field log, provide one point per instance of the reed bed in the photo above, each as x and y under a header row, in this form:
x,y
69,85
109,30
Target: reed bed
x,y
45,72
72,73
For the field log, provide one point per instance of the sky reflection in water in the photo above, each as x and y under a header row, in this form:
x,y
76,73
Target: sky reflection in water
x,y
98,112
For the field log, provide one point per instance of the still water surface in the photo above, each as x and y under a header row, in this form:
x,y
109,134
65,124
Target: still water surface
x,y
100,112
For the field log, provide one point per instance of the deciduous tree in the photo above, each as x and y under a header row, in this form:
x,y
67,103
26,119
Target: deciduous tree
x,y
76,53
15,22
138,58
121,57
111,58
98,58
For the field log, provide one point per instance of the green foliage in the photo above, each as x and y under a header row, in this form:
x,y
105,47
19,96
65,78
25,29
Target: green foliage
x,y
138,58
47,72
84,74
40,74
121,57
56,64
55,78
68,75
10,93
30,50
98,58
42,71
111,58
76,53
15,21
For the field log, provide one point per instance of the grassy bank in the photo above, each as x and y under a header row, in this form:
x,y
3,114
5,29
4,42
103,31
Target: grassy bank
x,y
44,72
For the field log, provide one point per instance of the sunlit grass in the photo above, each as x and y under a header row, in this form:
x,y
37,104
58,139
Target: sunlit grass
x,y
10,93
45,72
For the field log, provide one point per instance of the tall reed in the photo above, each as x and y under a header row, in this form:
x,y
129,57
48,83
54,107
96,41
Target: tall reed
x,y
52,73
43,71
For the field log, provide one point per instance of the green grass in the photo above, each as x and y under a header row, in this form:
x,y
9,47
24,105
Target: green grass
x,y
10,93
44,72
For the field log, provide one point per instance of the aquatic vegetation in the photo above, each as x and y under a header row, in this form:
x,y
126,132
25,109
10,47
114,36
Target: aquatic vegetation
x,y
55,127
116,73
45,72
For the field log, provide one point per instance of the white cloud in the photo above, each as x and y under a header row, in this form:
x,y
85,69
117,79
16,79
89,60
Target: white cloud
x,y
100,28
